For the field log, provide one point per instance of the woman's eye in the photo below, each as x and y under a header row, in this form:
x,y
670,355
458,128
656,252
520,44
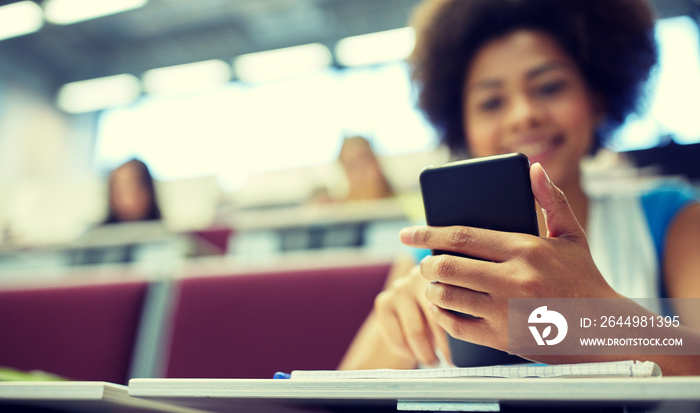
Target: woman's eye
x,y
491,104
551,88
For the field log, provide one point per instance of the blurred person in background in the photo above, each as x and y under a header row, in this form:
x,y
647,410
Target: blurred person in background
x,y
366,179
363,174
132,195
132,199
550,79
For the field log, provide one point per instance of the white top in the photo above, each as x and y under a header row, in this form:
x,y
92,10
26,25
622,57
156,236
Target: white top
x,y
623,248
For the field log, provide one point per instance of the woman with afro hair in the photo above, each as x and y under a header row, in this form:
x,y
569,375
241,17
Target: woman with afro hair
x,y
550,79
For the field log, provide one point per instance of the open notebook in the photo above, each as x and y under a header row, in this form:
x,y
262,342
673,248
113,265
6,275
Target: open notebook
x,y
608,369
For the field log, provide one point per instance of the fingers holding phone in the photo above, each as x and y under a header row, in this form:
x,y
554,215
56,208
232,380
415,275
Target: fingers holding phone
x,y
520,265
470,206
406,321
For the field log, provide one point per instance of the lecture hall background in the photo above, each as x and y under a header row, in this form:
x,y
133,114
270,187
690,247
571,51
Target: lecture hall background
x,y
239,109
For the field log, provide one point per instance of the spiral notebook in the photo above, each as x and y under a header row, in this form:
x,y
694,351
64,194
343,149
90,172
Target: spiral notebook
x,y
608,369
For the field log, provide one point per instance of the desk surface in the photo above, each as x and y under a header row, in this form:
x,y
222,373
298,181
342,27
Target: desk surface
x,y
234,395
304,216
220,395
77,396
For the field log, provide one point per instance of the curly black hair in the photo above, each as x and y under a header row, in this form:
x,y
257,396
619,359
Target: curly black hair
x,y
611,41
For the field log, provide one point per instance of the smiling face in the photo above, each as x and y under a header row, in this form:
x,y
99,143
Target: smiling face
x,y
523,93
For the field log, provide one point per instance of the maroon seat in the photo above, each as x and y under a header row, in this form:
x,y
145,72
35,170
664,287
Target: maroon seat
x,y
82,332
215,240
250,326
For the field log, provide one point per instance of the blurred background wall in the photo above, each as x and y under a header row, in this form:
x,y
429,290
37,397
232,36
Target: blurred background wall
x,y
245,104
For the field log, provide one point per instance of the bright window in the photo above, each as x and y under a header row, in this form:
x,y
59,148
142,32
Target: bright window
x,y
672,106
243,129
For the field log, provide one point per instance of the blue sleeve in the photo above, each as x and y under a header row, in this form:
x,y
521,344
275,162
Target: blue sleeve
x,y
419,253
661,205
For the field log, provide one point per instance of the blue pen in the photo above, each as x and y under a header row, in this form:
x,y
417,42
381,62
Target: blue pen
x,y
281,375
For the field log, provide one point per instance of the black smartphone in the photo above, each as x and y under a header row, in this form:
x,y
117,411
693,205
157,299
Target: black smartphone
x,y
492,192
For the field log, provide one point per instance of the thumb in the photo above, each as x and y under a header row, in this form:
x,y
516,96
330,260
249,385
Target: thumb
x,y
558,216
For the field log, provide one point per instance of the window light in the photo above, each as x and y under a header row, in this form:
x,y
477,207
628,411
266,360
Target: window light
x,y
282,63
190,77
17,19
74,11
95,94
374,48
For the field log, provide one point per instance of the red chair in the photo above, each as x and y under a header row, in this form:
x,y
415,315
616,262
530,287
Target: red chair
x,y
82,332
250,326
212,241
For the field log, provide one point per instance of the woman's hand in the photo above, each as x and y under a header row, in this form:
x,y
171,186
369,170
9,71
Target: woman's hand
x,y
514,266
407,325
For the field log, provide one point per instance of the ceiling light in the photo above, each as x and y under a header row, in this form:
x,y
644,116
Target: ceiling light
x,y
95,94
17,19
282,63
191,77
374,48
74,11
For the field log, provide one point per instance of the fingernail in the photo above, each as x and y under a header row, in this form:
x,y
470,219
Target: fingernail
x,y
549,181
403,232
406,235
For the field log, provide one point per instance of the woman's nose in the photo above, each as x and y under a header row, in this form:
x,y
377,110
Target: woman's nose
x,y
525,113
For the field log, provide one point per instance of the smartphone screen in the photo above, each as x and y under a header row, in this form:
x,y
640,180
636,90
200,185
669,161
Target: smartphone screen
x,y
492,192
